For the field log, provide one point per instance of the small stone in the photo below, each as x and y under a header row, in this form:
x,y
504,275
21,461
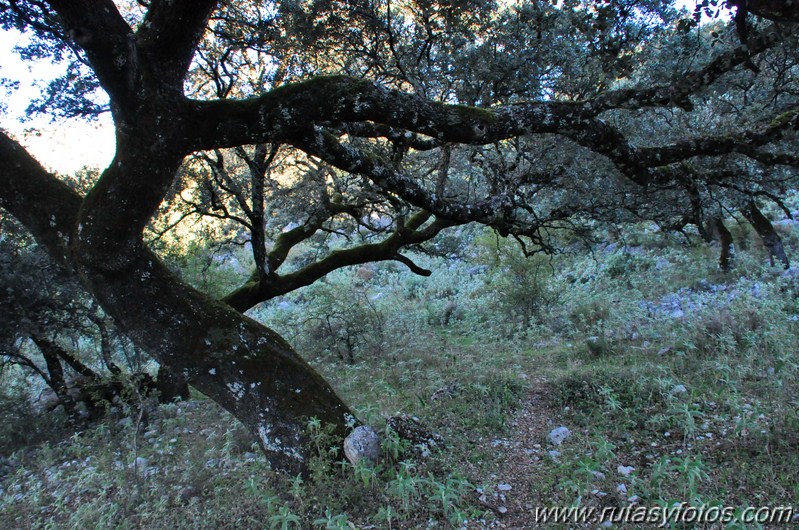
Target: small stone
x,y
679,389
186,493
634,499
363,443
504,487
502,510
558,435
625,470
621,488
598,475
554,454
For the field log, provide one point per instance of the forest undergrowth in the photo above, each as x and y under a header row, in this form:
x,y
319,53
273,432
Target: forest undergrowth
x,y
676,383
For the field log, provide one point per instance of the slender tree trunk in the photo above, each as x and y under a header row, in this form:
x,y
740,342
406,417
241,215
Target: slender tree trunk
x,y
68,358
56,379
697,212
724,236
770,238
105,344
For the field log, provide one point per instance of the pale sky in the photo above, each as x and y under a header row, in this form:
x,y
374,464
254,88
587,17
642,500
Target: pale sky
x,y
63,146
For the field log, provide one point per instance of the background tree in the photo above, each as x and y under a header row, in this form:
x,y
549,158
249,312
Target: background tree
x,y
47,322
401,119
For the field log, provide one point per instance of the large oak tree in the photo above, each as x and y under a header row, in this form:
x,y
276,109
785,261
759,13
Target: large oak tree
x,y
521,117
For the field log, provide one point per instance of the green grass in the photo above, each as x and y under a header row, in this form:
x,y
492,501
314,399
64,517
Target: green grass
x,y
704,407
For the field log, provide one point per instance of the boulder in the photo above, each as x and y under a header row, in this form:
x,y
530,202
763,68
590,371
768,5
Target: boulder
x,y
363,443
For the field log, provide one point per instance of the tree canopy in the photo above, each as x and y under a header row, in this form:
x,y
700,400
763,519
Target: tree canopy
x,y
384,123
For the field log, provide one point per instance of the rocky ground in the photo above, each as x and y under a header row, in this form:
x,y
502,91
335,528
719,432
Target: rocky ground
x,y
523,458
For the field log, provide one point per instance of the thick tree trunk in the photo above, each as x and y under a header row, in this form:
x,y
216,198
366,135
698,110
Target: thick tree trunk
x,y
770,238
170,387
243,366
725,242
246,368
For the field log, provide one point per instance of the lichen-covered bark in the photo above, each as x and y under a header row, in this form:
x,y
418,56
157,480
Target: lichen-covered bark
x,y
246,368
45,205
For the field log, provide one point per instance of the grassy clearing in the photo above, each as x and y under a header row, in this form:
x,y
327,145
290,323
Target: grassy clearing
x,y
652,358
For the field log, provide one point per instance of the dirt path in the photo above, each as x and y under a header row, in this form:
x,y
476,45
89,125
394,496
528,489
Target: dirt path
x,y
520,461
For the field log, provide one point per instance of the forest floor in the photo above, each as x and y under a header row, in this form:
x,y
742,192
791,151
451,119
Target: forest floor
x,y
521,460
677,385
